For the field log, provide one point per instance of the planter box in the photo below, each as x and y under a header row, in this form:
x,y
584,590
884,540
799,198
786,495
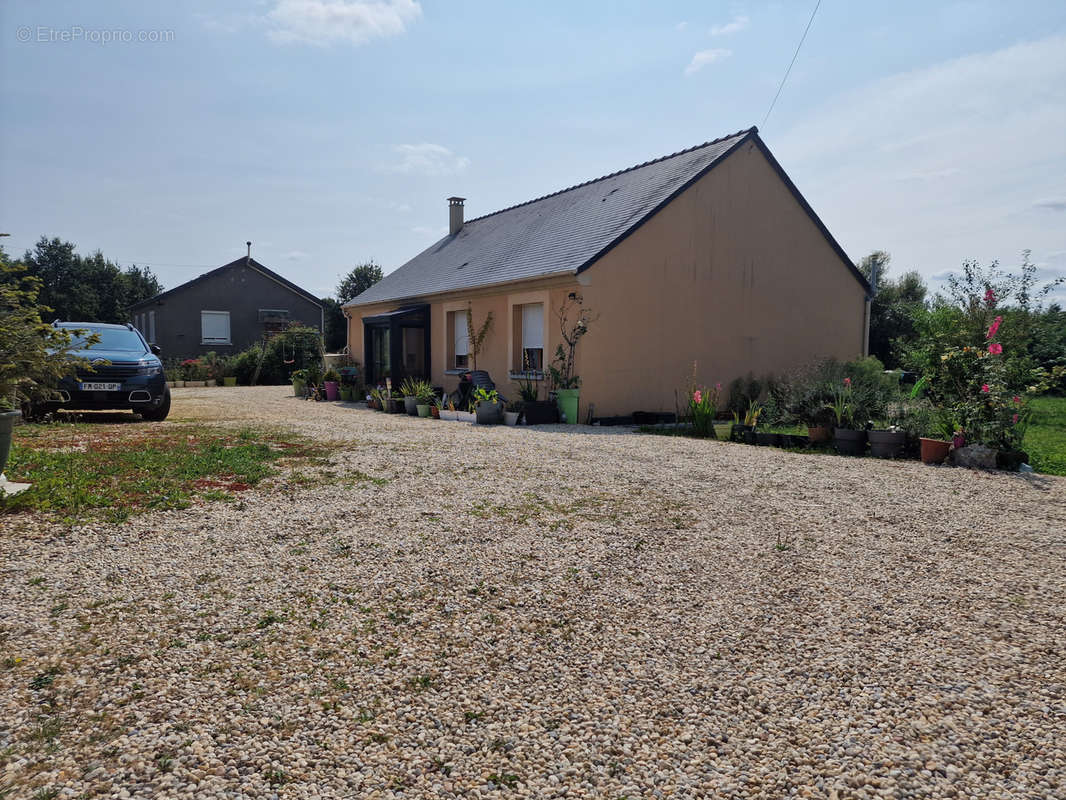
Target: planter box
x,y
767,439
447,415
489,413
886,444
540,412
466,416
196,384
849,442
819,434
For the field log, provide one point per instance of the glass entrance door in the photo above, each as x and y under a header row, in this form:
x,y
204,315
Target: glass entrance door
x,y
381,353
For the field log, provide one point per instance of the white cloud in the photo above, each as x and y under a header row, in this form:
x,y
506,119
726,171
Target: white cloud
x,y
681,26
735,25
705,57
428,159
323,22
941,163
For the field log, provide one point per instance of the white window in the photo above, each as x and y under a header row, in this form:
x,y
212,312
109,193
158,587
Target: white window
x,y
151,327
462,339
214,327
532,337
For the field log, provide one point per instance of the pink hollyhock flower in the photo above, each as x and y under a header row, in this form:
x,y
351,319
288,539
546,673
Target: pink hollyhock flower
x,y
1014,419
995,348
994,327
698,397
990,298
718,386
847,382
1017,400
985,389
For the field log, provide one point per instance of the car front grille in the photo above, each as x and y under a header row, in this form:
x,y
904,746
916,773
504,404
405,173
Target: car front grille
x,y
104,372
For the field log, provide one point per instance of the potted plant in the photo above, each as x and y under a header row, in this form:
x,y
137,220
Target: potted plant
x,y
447,410
299,380
745,432
512,412
847,440
887,442
702,406
488,408
534,411
423,398
331,381
409,392
565,381
468,415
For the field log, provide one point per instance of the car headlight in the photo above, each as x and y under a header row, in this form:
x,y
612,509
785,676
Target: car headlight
x,y
151,369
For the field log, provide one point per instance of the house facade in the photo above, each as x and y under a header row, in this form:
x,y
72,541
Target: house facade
x,y
710,255
226,310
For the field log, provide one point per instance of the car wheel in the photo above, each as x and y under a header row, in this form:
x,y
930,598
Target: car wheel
x,y
160,413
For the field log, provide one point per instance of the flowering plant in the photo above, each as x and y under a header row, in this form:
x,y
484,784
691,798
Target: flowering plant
x,y
842,408
702,405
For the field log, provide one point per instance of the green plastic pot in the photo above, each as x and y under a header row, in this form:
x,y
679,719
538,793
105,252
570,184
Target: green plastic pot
x,y
229,380
346,394
567,400
422,409
7,426
299,388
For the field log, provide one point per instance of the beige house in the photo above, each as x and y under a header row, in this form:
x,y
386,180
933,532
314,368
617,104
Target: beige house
x,y
709,255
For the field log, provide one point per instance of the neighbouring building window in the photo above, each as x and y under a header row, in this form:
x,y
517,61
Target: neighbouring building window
x,y
273,313
461,339
214,327
532,355
151,327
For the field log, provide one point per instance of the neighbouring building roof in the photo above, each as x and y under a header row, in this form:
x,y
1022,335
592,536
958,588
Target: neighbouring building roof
x,y
561,233
243,260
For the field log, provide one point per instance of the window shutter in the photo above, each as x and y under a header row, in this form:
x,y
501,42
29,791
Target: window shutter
x,y
462,340
533,326
214,326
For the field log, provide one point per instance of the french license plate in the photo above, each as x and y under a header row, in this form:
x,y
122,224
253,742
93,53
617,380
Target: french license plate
x,y
101,387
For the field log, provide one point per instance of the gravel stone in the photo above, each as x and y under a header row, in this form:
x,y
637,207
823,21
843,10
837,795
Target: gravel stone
x,y
446,610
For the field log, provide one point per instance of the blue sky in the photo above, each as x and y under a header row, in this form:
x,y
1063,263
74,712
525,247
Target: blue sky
x,y
330,132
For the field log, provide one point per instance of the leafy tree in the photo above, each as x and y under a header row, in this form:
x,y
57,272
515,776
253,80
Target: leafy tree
x,y
893,308
336,332
361,278
33,354
87,288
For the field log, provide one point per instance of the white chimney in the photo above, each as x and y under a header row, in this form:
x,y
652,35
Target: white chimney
x,y
455,215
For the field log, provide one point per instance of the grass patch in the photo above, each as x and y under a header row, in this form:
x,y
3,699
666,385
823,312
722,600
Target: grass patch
x,y
1045,441
109,471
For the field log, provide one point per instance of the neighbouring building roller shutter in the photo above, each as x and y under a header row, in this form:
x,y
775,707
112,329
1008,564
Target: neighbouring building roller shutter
x,y
214,327
462,340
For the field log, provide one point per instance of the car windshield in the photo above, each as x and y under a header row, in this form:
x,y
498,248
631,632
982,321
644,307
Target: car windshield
x,y
111,339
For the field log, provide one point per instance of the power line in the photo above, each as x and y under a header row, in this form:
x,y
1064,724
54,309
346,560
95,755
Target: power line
x,y
790,63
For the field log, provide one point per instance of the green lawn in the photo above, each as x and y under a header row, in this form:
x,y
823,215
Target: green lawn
x,y
86,470
1045,441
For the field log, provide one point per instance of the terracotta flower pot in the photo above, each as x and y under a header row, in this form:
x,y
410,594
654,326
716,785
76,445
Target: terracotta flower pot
x,y
934,451
434,412
818,434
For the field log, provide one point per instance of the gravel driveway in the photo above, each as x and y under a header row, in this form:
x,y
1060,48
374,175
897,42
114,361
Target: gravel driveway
x,y
460,611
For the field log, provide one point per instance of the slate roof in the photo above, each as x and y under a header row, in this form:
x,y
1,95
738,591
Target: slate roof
x,y
561,233
235,263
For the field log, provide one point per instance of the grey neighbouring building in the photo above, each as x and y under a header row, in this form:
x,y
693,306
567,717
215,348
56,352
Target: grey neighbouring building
x,y
225,310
